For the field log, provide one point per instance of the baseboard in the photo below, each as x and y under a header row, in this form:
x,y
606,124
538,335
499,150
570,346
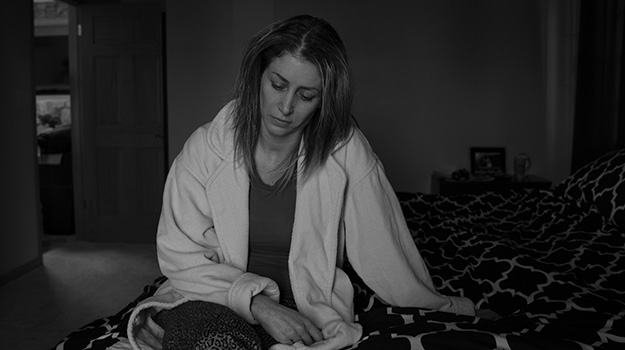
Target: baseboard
x,y
19,271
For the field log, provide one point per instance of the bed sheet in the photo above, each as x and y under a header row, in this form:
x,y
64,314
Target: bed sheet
x,y
552,268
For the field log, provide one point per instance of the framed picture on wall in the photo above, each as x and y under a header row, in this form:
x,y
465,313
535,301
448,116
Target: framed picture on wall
x,y
488,161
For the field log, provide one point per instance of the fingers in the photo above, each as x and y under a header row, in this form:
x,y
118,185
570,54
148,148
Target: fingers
x,y
300,332
306,339
308,333
316,334
286,325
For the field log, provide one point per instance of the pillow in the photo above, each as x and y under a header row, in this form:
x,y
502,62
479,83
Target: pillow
x,y
600,183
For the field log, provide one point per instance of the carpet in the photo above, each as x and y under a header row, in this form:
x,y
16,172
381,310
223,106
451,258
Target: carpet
x,y
78,283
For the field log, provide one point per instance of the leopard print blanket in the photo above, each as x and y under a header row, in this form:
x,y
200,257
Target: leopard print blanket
x,y
552,267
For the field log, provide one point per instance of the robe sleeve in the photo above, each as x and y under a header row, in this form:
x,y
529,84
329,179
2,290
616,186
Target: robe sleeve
x,y
188,244
382,251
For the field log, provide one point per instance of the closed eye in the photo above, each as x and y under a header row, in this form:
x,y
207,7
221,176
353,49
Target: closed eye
x,y
278,87
307,97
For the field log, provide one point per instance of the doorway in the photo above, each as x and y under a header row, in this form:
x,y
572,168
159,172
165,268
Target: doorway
x,y
117,136
51,73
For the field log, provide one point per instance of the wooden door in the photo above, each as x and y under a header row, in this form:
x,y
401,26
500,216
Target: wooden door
x,y
122,127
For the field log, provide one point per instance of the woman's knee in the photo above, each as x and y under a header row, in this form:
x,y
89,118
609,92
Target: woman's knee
x,y
204,325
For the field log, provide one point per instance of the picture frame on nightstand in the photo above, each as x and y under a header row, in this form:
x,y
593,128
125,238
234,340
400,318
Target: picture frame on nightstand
x,y
488,161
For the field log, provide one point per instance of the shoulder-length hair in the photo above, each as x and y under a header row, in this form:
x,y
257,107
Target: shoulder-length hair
x,y
317,42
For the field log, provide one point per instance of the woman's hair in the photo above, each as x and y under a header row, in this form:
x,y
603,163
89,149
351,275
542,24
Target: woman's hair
x,y
315,41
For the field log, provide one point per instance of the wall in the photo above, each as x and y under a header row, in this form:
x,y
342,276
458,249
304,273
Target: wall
x,y
20,225
204,43
433,78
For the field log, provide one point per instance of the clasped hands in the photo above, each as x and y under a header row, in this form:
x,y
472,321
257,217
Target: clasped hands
x,y
285,325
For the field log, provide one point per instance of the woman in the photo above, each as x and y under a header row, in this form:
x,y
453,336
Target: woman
x,y
266,203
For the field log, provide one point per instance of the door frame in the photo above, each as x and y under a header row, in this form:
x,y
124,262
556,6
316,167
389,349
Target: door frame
x,y
75,95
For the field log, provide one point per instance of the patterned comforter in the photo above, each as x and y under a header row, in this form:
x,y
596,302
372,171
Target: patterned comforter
x,y
552,269
551,263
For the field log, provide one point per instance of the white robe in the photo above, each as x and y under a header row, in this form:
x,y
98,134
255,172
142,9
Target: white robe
x,y
346,206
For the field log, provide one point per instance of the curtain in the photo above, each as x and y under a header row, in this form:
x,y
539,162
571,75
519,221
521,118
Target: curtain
x,y
600,97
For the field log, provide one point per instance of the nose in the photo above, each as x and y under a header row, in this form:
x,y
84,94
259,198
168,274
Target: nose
x,y
286,104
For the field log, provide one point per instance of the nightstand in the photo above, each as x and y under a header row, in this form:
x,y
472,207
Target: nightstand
x,y
446,186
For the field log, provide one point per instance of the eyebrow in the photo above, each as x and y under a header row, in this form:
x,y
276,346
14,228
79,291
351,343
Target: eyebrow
x,y
308,88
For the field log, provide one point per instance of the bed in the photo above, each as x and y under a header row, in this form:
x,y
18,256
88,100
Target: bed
x,y
550,262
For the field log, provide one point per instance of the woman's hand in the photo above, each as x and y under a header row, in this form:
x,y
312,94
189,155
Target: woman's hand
x,y
285,325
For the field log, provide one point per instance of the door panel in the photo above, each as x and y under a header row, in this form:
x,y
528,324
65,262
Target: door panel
x,y
123,161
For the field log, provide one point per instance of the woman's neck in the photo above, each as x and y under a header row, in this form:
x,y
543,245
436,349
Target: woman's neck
x,y
272,158
278,148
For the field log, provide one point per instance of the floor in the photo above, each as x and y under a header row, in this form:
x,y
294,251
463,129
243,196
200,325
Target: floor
x,y
78,283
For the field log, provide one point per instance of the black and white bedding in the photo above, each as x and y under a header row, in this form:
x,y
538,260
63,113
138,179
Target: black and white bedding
x,y
551,263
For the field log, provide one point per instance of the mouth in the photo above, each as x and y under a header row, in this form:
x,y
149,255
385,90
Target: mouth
x,y
281,122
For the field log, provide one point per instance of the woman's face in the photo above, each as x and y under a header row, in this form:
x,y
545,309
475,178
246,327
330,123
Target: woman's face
x,y
290,93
